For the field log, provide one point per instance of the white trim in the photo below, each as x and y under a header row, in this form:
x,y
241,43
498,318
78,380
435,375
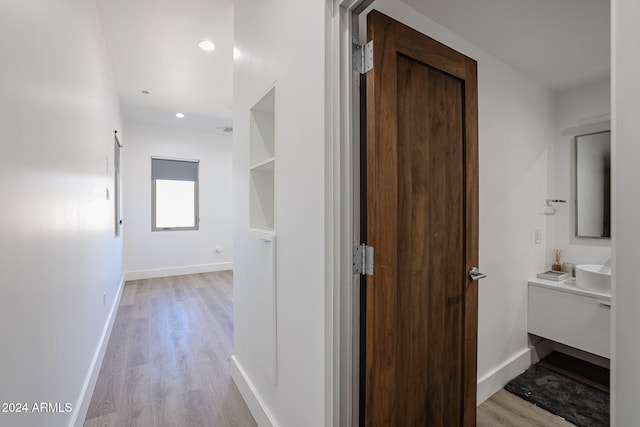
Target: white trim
x,y
257,407
333,214
177,271
339,386
82,404
498,377
342,359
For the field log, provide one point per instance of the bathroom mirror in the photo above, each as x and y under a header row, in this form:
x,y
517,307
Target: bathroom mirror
x,y
593,185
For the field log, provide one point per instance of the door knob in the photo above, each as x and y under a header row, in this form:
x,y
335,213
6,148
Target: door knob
x,y
474,274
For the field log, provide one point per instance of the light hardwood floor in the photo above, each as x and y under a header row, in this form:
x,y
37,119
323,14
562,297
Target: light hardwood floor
x,y
168,359
504,409
167,362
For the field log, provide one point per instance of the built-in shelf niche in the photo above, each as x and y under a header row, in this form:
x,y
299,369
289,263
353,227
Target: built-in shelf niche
x,y
261,243
262,163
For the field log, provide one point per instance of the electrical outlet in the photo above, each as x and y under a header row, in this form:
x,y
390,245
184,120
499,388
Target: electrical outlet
x,y
538,236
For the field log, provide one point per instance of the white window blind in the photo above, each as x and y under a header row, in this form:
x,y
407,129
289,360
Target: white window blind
x,y
174,194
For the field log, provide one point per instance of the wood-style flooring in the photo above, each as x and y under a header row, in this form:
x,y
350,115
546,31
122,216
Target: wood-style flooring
x,y
505,409
168,358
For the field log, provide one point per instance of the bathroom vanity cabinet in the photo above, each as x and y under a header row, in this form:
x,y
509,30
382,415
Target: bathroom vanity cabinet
x,y
575,317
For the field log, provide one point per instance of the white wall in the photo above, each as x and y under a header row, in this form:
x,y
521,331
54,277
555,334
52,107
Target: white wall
x,y
626,231
166,253
516,143
278,42
58,252
577,110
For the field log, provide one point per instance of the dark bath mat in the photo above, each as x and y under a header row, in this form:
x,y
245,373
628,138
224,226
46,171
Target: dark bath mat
x,y
574,401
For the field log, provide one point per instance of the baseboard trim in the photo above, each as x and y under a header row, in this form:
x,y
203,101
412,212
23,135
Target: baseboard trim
x,y
254,402
82,405
497,378
177,271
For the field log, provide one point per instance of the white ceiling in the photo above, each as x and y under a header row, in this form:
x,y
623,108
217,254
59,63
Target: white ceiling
x,y
153,46
559,43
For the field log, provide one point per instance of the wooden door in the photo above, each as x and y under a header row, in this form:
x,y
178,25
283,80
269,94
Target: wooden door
x,y
422,221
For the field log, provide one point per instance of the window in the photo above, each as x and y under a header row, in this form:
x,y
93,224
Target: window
x,y
174,194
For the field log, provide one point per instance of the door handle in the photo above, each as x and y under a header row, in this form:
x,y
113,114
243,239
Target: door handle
x,y
474,274
602,304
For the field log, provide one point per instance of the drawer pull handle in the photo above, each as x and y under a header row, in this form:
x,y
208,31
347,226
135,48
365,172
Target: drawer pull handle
x,y
604,305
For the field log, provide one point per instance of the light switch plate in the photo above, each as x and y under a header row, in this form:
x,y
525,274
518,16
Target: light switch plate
x,y
538,236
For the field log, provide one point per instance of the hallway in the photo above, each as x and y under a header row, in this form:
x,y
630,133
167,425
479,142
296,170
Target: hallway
x,y
167,362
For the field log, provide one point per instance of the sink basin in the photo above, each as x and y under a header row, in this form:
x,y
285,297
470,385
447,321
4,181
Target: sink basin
x,y
594,277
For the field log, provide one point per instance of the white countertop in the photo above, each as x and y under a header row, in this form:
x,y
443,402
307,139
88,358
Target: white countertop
x,y
568,285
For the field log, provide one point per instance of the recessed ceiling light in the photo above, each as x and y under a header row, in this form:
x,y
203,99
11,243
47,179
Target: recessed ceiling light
x,y
145,92
207,45
180,115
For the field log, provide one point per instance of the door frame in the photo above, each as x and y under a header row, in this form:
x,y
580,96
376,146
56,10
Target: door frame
x,y
343,406
343,403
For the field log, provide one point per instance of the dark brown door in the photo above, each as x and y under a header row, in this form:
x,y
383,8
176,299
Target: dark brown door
x,y
422,220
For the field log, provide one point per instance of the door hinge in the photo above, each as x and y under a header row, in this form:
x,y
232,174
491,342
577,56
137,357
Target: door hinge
x,y
363,57
363,260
